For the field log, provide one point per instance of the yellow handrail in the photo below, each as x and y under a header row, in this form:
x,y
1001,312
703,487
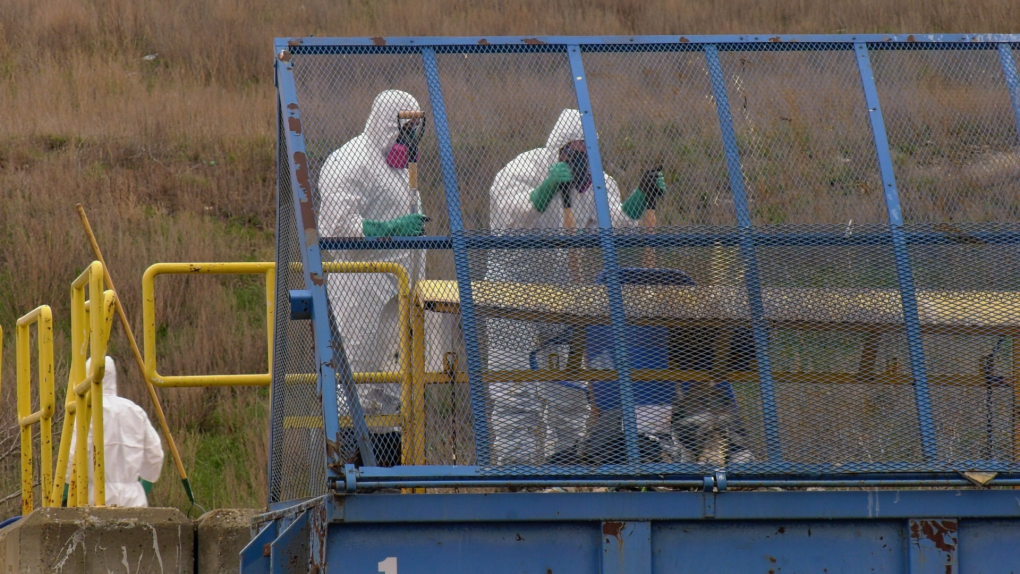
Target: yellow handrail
x,y
149,319
90,330
43,317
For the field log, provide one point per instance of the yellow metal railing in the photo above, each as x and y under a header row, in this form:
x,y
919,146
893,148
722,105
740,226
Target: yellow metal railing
x,y
43,318
91,321
149,318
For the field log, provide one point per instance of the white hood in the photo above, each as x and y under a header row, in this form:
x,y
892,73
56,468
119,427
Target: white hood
x,y
109,376
567,129
381,129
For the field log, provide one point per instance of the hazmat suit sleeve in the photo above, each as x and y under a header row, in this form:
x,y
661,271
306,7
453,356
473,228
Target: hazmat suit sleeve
x,y
152,455
340,214
511,191
620,219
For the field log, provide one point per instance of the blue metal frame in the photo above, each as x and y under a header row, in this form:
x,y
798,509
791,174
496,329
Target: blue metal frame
x,y
621,238
610,241
747,253
908,295
1012,82
460,258
380,43
332,367
618,316
642,532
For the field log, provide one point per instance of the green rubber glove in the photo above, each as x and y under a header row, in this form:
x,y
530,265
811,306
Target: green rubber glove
x,y
146,485
543,194
411,225
640,199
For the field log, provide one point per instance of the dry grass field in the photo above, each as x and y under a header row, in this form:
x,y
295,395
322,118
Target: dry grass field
x,y
159,117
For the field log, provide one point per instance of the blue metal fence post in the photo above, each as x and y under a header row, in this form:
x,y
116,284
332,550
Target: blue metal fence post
x,y
617,313
904,273
1012,82
460,258
747,253
332,366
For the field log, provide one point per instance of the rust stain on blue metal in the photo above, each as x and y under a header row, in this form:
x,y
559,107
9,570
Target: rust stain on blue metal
x,y
301,173
483,42
294,124
942,533
533,41
614,529
378,41
683,40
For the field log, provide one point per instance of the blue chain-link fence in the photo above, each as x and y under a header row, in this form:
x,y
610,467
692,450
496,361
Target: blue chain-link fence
x,y
647,259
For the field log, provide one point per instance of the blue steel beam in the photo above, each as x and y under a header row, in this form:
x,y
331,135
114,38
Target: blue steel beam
x,y
332,362
904,274
1012,82
610,262
655,506
675,239
460,258
381,43
747,254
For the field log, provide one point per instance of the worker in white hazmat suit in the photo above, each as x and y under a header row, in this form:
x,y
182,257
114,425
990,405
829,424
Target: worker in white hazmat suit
x,y
532,421
133,451
364,192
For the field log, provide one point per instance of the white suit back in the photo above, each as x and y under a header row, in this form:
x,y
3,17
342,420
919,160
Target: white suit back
x,y
132,447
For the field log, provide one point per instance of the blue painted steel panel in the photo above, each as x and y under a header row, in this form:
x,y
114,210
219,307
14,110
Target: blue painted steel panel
x,y
491,548
289,551
988,546
636,532
775,547
626,547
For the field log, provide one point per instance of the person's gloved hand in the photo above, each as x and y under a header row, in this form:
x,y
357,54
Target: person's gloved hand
x,y
559,173
146,485
410,225
647,195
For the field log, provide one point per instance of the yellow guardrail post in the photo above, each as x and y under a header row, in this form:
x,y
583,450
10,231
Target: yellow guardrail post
x,y
43,317
149,319
91,322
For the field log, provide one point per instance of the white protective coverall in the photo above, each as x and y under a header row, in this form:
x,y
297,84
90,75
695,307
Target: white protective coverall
x,y
355,184
532,421
132,447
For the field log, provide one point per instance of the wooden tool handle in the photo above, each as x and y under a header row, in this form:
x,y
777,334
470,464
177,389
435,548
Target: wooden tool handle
x,y
410,115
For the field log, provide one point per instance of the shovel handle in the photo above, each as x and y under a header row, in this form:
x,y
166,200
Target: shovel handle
x,y
410,115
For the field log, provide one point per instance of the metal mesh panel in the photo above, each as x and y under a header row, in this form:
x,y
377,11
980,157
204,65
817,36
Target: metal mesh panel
x,y
735,291
952,134
297,469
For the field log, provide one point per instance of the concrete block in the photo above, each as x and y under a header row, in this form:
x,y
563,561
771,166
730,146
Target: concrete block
x,y
221,535
86,540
